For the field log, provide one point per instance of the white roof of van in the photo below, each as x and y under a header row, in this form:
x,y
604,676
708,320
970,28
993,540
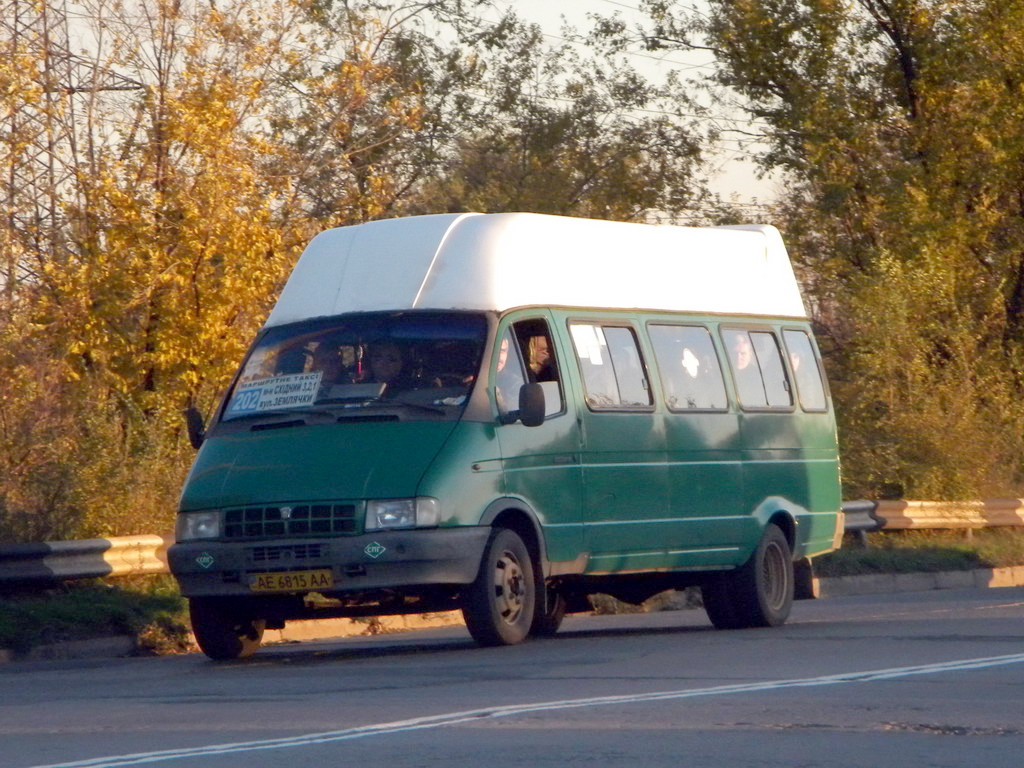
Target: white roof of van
x,y
505,260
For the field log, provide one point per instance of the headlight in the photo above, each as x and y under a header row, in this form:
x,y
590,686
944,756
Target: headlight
x,y
197,525
421,512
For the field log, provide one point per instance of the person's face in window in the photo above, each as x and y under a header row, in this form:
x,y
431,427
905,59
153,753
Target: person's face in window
x,y
385,362
327,361
743,353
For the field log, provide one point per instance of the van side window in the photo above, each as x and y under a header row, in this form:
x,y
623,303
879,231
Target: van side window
x,y
612,368
538,350
758,370
690,373
809,385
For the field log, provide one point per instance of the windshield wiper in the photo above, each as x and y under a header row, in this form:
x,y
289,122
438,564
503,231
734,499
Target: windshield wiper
x,y
278,419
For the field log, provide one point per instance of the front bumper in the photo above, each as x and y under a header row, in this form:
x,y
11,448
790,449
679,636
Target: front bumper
x,y
392,560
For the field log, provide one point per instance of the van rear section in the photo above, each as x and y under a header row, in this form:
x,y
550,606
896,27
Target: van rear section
x,y
504,414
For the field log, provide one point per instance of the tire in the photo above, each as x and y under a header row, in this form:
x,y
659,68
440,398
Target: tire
x,y
757,594
547,622
499,605
719,603
222,632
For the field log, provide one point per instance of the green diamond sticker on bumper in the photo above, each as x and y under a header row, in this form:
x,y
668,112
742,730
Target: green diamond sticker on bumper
x,y
375,550
205,560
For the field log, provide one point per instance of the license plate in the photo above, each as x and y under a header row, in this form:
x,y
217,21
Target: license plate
x,y
293,581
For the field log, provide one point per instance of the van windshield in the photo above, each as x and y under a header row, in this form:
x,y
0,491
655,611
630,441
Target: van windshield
x,y
425,360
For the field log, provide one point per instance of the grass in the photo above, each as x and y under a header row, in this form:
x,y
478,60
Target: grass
x,y
152,610
925,552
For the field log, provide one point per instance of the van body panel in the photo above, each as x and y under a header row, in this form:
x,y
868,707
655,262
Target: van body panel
x,y
705,460
313,463
466,474
626,490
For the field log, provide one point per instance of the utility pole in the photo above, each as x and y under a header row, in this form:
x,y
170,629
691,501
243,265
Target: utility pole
x,y
41,124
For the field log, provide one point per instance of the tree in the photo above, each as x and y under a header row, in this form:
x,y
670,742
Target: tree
x,y
549,130
180,213
158,184
900,127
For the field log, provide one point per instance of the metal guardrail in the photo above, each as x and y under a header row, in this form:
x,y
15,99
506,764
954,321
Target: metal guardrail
x,y
57,561
861,519
993,513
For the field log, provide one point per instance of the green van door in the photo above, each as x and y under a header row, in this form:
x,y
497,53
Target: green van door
x,y
703,446
541,464
625,478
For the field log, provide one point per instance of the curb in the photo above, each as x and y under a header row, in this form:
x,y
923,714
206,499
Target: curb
x,y
331,629
873,584
113,647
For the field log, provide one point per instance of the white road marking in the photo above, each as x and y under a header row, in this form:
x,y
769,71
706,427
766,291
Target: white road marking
x,y
454,718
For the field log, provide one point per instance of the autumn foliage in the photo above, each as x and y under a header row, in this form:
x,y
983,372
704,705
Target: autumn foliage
x,y
162,162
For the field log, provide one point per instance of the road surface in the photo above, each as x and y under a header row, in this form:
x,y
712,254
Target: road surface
x,y
913,679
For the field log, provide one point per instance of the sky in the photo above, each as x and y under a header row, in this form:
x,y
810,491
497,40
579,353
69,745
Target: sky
x,y
734,177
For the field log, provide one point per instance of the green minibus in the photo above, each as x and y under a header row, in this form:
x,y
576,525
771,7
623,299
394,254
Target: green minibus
x,y
505,414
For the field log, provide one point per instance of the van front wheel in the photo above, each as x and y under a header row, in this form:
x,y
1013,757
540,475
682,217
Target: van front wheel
x,y
499,605
222,632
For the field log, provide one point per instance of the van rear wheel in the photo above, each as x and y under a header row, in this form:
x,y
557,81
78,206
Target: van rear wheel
x,y
547,622
221,631
499,605
757,594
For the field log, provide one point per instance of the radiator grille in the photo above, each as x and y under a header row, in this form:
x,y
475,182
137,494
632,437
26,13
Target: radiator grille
x,y
297,520
287,554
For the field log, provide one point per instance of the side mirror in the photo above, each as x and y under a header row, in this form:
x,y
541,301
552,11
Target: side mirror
x,y
531,405
196,428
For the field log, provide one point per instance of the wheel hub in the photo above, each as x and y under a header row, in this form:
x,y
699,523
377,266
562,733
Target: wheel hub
x,y
510,587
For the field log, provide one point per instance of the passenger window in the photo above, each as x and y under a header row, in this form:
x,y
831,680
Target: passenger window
x,y
758,370
690,372
612,368
810,387
534,339
773,370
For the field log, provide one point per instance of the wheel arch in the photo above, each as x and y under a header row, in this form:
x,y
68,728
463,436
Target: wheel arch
x,y
775,510
518,516
787,523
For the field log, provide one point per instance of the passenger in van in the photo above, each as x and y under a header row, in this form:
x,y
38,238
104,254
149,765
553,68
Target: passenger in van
x,y
385,362
748,374
327,361
541,367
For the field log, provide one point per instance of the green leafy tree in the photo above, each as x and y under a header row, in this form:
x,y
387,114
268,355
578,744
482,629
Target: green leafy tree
x,y
547,129
899,127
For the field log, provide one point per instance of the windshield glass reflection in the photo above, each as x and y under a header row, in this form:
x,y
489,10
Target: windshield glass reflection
x,y
425,360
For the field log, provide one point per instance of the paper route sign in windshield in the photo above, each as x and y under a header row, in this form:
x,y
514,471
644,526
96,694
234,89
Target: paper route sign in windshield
x,y
292,391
